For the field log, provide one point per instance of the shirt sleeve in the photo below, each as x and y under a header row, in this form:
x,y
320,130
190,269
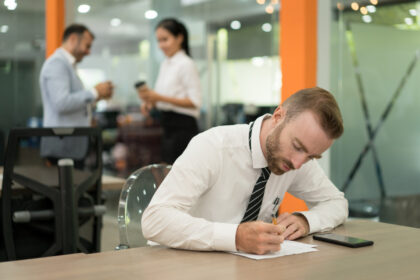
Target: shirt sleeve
x,y
57,81
167,219
327,206
191,82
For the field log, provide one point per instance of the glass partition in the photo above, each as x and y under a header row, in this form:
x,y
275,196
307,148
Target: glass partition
x,y
375,57
22,52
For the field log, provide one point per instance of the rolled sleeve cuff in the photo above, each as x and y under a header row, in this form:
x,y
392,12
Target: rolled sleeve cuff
x,y
224,237
313,221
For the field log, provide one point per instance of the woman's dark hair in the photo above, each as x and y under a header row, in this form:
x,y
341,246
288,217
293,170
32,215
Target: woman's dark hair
x,y
176,28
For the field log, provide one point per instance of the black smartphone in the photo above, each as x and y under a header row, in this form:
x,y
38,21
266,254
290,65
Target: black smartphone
x,y
348,241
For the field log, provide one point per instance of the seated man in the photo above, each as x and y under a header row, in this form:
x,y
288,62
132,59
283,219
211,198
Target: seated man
x,y
223,191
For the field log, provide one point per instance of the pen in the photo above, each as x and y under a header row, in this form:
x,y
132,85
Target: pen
x,y
274,219
274,214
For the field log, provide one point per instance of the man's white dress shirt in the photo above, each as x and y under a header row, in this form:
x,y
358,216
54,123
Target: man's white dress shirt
x,y
178,78
204,197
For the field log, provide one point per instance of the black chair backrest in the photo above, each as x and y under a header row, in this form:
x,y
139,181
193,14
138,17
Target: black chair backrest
x,y
46,209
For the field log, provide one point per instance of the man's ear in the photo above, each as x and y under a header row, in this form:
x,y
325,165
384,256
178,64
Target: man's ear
x,y
279,114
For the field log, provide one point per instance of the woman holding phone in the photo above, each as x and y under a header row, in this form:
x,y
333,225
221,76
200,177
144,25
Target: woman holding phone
x,y
177,92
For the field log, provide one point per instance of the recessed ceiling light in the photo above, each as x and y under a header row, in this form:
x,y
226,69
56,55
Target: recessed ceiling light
x,y
150,14
367,18
266,27
413,12
10,4
115,22
4,28
371,9
236,24
408,21
83,9
354,6
269,9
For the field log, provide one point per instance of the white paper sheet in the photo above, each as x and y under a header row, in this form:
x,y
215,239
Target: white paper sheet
x,y
287,248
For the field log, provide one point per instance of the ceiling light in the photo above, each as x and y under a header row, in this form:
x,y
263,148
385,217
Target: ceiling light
x,y
374,2
340,6
150,14
261,2
408,21
367,18
355,6
413,12
10,4
269,9
4,28
236,24
83,9
363,11
371,9
115,22
266,27
274,2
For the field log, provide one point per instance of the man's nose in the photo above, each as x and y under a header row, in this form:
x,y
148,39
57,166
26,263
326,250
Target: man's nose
x,y
298,160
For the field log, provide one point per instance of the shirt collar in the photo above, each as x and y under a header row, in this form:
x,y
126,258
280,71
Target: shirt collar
x,y
69,57
258,159
177,55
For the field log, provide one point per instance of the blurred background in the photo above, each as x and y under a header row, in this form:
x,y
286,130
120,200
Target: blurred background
x,y
367,56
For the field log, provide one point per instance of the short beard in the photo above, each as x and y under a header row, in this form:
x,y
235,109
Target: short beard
x,y
272,147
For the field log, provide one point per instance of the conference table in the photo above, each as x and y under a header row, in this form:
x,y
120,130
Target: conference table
x,y
395,255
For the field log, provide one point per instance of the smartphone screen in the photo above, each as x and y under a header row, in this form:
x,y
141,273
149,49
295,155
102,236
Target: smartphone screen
x,y
348,241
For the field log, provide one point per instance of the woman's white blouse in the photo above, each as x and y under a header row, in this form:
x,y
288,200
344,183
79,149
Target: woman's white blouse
x,y
178,77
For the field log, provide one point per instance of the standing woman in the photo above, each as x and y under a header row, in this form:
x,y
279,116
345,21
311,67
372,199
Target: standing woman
x,y
177,92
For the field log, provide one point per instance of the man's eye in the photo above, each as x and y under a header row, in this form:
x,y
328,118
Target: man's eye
x,y
297,148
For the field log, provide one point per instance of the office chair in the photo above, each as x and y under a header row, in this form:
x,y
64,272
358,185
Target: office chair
x,y
135,197
50,207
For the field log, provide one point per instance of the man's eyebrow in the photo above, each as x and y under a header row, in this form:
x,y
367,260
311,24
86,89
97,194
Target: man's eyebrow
x,y
305,149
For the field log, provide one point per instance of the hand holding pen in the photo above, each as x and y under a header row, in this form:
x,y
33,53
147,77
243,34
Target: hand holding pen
x,y
293,225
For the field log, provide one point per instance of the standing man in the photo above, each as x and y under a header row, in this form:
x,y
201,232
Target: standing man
x,y
223,191
65,101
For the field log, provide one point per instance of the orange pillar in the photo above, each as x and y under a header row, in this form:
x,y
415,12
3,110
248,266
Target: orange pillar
x,y
54,24
298,49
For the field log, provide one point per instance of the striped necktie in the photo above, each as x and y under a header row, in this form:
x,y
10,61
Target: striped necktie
x,y
255,201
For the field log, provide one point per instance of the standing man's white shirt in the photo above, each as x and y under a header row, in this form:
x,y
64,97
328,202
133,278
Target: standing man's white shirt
x,y
178,78
203,199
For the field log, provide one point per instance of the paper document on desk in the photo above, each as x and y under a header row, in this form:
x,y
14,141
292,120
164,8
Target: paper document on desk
x,y
287,248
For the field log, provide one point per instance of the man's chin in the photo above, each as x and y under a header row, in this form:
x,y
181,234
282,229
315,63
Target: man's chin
x,y
277,171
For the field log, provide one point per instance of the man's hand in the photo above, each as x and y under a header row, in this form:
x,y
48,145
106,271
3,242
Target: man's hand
x,y
259,237
296,225
105,90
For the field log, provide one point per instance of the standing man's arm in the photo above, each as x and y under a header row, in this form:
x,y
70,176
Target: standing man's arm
x,y
57,80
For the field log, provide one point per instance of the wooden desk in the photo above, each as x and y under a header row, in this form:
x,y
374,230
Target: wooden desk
x,y
108,182
395,255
